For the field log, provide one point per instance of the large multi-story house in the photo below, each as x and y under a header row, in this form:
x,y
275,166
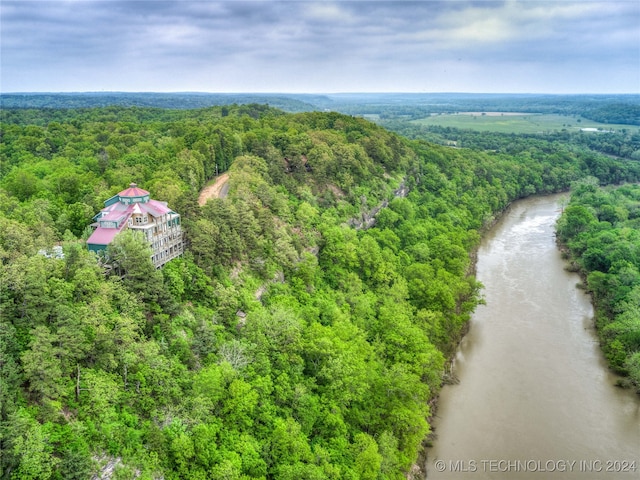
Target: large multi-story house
x,y
132,208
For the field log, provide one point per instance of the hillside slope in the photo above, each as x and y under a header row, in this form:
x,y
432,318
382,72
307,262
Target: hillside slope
x,y
186,372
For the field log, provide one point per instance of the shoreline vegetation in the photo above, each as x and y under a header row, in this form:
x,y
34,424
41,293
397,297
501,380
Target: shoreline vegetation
x,y
598,235
185,372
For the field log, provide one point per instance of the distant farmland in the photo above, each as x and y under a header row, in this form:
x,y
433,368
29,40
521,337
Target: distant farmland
x,y
509,122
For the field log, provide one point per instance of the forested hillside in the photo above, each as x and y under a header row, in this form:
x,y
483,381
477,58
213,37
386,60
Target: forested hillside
x,y
601,228
191,100
611,109
285,344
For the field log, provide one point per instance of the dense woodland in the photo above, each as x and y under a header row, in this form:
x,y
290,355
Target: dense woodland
x,y
623,144
613,109
601,228
286,343
621,109
178,101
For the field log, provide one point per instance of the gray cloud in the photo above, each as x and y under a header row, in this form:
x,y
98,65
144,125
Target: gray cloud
x,y
306,46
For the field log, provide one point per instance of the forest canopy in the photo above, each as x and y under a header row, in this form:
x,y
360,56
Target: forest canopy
x,y
612,108
600,227
296,338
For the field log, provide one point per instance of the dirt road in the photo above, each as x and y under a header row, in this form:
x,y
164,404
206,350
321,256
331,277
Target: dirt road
x,y
218,189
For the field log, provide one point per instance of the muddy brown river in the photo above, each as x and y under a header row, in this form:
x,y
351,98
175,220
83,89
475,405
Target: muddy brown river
x,y
535,399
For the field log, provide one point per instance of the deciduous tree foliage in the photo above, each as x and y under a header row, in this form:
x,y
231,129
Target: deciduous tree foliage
x,y
286,343
600,229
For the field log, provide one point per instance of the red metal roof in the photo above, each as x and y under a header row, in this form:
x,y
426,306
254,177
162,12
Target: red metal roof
x,y
114,216
116,207
133,191
104,236
156,208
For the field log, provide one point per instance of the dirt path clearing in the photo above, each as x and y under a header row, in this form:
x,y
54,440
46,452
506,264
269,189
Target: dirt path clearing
x,y
216,190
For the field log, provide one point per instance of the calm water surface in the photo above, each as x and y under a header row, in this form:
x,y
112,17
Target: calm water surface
x,y
535,399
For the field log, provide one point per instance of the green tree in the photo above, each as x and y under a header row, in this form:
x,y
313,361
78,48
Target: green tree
x,y
367,459
131,255
42,365
30,448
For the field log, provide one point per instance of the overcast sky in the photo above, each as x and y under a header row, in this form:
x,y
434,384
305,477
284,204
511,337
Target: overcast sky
x,y
300,46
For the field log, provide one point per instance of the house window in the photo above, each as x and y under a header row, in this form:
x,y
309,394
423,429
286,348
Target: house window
x,y
138,220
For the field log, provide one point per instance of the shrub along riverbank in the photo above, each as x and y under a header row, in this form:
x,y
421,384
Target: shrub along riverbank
x,y
284,344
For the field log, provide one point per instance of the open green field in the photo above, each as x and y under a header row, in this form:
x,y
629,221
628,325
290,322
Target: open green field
x,y
517,122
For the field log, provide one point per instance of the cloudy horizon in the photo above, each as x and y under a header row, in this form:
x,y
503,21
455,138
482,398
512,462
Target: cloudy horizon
x,y
320,47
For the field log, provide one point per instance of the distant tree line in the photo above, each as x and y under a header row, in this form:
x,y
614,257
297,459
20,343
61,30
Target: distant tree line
x,y
618,109
182,101
623,143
